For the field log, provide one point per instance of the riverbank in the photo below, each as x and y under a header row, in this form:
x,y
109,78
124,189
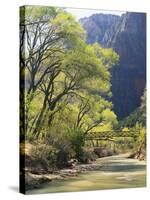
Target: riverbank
x,y
117,163
40,168
35,180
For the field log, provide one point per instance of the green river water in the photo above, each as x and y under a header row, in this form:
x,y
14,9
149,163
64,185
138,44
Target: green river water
x,y
115,172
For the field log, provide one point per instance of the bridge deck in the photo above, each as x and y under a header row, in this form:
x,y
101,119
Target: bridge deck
x,y
110,134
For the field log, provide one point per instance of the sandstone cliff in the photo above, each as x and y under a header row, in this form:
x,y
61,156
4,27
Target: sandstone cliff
x,y
126,34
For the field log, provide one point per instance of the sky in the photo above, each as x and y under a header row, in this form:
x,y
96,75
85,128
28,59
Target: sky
x,y
80,13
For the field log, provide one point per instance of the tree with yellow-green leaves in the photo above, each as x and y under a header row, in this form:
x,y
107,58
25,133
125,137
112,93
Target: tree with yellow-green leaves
x,y
64,81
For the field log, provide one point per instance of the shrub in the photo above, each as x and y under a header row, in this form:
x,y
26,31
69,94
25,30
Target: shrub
x,y
77,139
43,157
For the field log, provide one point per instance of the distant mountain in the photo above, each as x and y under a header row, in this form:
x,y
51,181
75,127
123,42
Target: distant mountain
x,y
126,34
97,25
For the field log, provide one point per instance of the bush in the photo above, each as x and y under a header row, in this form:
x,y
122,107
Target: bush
x,y
77,139
88,156
63,154
43,157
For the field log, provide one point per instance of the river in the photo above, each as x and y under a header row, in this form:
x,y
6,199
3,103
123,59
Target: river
x,y
115,172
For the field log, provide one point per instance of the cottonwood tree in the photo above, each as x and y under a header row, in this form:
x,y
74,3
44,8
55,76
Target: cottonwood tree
x,y
56,64
44,37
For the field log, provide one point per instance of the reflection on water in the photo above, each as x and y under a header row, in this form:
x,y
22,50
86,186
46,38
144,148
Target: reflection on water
x,y
116,172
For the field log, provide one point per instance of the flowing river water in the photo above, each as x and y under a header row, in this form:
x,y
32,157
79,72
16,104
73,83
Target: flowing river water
x,y
114,172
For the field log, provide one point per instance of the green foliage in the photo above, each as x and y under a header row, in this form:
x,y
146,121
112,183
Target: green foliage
x,y
143,108
77,138
139,115
43,157
37,13
141,140
109,116
66,24
67,81
125,129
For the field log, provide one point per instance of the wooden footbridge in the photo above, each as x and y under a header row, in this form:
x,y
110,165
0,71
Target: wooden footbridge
x,y
95,138
111,135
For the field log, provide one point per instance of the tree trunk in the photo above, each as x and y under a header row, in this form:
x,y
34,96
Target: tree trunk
x,y
39,121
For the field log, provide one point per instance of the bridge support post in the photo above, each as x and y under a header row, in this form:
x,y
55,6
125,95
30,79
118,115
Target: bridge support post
x,y
97,143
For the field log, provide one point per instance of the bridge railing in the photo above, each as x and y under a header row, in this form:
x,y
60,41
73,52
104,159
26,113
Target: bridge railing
x,y
110,134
